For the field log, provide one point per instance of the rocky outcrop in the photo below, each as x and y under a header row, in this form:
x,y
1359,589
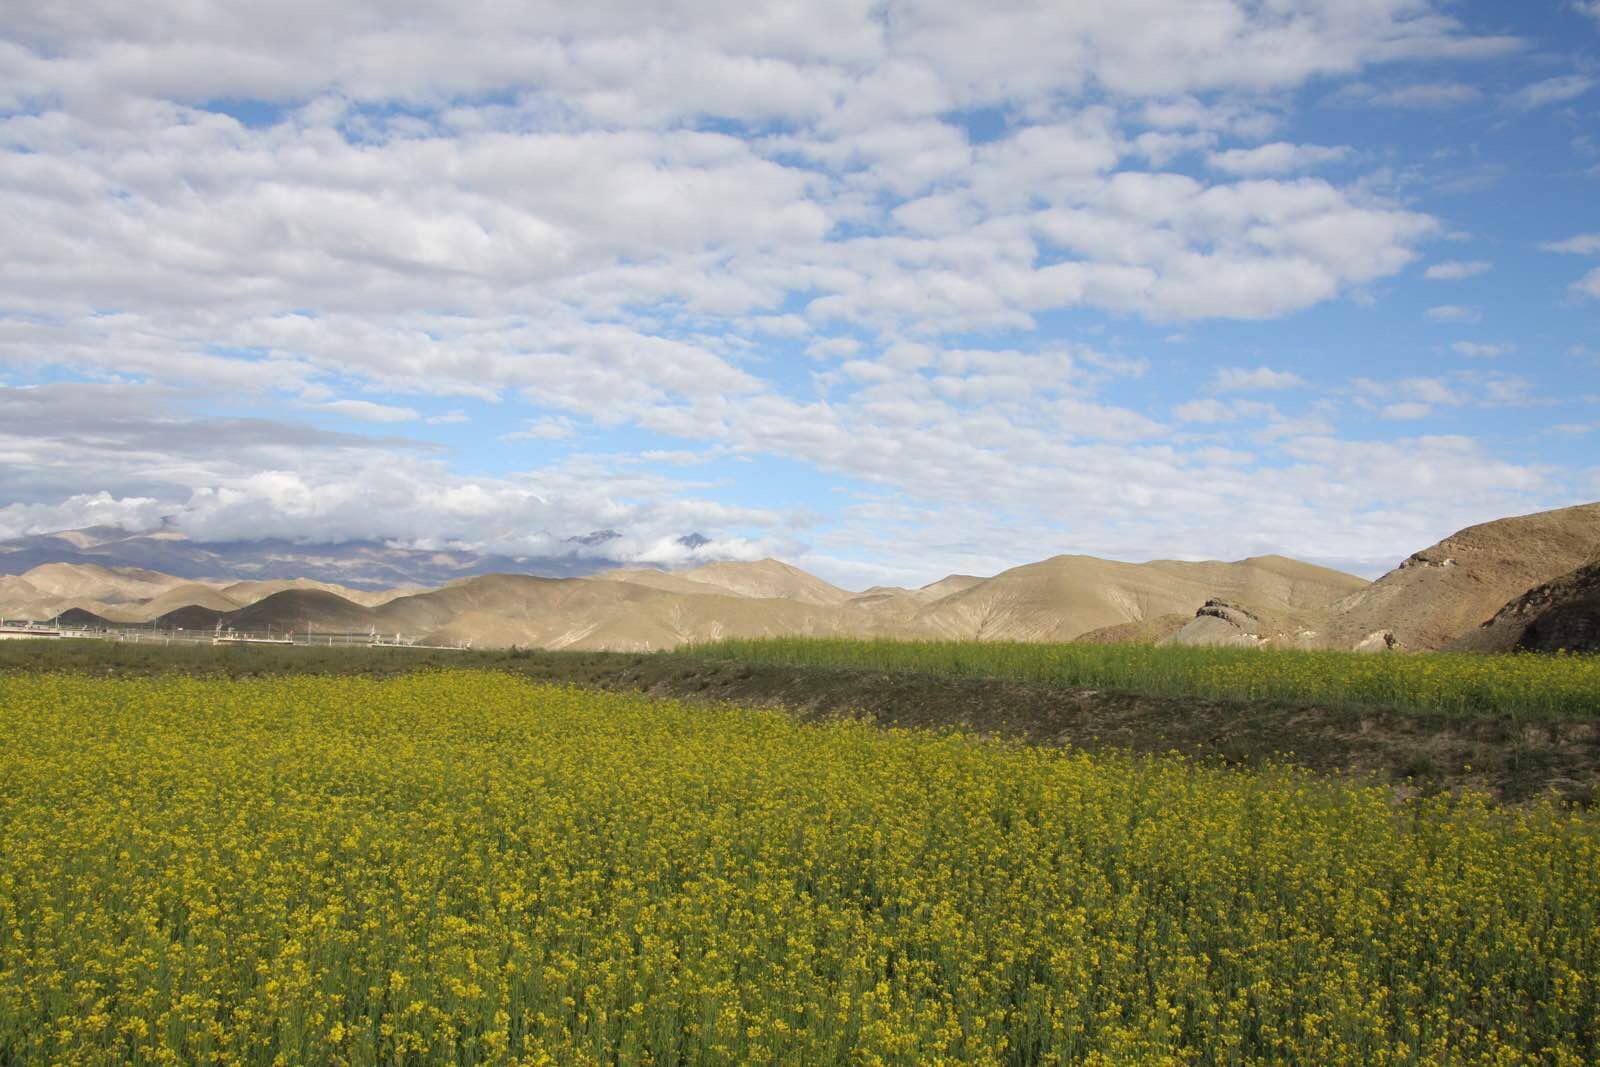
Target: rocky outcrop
x,y
1562,615
1219,623
1378,641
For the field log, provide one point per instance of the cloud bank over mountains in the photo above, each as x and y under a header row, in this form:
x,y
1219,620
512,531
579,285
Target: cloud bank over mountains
x,y
890,289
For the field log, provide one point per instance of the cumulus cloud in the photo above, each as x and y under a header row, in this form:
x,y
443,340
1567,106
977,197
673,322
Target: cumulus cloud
x,y
1455,270
234,479
1588,285
78,511
1423,95
1583,244
1406,410
1280,157
547,429
578,218
1478,350
367,411
1241,380
1411,398
1418,397
1206,409
1556,90
1453,313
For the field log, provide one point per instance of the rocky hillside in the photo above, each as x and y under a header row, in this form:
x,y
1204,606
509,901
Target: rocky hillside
x,y
1563,615
1444,592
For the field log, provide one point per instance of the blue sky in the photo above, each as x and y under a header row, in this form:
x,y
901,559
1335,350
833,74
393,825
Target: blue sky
x,y
887,290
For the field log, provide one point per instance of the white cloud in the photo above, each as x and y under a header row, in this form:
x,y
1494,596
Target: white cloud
x,y
844,56
1556,90
1204,409
1425,95
1240,380
1410,398
833,347
1589,284
1583,244
78,511
558,428
1455,270
1280,157
1453,313
367,411
448,418
1478,350
245,479
1422,390
588,216
1506,391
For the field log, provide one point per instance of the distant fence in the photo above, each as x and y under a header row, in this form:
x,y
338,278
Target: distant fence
x,y
176,635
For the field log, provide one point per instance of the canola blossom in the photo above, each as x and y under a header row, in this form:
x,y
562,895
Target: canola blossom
x,y
1523,685
464,867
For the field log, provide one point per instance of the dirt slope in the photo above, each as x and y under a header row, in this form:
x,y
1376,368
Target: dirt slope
x,y
641,610
1444,592
88,581
768,578
20,599
300,610
133,595
189,594
1065,597
593,613
243,593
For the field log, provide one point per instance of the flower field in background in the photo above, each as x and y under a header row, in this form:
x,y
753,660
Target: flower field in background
x,y
464,867
1524,685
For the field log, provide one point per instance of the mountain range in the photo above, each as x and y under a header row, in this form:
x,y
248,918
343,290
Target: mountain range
x,y
1525,582
371,565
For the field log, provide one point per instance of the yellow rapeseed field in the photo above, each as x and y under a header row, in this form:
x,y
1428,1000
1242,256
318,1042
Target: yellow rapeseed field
x,y
464,867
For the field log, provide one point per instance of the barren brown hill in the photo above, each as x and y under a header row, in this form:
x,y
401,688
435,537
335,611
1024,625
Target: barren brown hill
x,y
19,599
1144,632
900,600
950,583
1560,615
667,581
1066,597
248,592
189,594
80,617
134,595
768,578
1443,593
596,613
88,581
300,610
643,610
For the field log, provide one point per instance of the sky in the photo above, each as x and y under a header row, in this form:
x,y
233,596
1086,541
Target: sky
x,y
888,290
